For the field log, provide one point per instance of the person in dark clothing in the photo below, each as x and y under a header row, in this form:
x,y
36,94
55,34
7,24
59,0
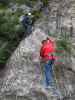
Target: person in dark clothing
x,y
27,23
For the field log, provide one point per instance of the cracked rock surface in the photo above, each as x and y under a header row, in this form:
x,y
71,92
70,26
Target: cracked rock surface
x,y
23,76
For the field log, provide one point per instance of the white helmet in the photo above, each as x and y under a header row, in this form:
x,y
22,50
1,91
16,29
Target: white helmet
x,y
29,13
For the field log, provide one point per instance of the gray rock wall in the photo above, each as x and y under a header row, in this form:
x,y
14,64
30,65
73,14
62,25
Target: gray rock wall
x,y
23,76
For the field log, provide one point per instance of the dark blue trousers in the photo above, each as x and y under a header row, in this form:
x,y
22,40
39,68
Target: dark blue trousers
x,y
28,28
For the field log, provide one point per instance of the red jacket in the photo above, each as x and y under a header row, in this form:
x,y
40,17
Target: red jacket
x,y
47,49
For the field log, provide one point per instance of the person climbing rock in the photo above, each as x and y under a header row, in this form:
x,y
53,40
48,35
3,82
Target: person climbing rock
x,y
26,21
46,53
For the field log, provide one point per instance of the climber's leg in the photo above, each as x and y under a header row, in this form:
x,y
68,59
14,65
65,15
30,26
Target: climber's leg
x,y
29,29
49,74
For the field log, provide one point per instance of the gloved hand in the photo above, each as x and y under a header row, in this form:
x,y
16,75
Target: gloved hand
x,y
52,61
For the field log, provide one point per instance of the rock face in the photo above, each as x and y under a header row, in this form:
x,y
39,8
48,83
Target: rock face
x,y
23,68
22,79
23,74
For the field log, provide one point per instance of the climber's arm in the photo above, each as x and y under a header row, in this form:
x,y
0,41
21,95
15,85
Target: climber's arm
x,y
59,51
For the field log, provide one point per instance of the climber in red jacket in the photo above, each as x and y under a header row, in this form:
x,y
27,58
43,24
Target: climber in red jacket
x,y
46,53
48,49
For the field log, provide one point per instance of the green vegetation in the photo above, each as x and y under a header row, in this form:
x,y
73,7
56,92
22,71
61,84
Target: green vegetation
x,y
4,2
11,30
45,2
37,14
65,45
